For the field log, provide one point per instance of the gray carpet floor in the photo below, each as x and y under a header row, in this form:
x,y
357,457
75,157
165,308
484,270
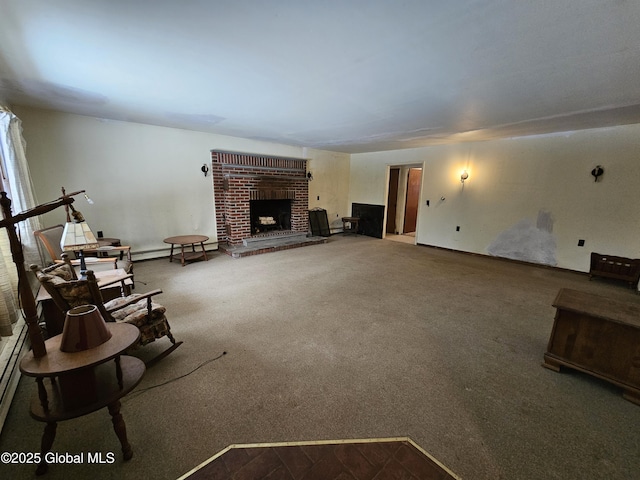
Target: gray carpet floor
x,y
357,338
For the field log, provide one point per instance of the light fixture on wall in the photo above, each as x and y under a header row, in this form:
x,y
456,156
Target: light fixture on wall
x,y
596,172
204,169
309,176
463,176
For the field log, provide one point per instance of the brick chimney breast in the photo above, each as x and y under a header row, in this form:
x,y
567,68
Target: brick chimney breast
x,y
239,178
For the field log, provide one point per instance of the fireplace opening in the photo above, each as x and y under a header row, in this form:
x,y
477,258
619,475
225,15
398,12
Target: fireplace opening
x,y
270,215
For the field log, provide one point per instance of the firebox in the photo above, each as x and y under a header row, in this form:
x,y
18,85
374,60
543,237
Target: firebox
x,y
270,215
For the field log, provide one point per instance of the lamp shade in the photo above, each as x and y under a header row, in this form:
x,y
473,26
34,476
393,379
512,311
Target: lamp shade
x,y
78,236
84,328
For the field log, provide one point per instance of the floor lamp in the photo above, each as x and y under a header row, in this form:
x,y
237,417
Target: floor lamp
x,y
25,294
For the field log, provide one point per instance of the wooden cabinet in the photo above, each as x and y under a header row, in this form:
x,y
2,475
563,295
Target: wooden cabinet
x,y
598,336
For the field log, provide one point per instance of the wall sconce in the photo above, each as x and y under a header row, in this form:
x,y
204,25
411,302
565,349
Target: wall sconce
x,y
204,169
596,172
309,176
463,176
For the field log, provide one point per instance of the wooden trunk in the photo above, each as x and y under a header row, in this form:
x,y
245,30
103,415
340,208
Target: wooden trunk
x,y
598,336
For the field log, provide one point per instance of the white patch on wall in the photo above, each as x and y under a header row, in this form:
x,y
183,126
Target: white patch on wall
x,y
527,241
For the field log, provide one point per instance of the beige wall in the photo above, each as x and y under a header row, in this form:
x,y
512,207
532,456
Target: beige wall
x,y
330,185
529,198
146,181
526,197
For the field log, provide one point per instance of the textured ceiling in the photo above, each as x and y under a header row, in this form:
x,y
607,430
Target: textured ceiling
x,y
342,75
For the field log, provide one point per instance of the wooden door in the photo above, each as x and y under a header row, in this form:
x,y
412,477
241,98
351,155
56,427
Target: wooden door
x,y
392,200
413,197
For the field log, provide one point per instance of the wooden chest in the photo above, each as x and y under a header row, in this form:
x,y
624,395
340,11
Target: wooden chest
x,y
598,336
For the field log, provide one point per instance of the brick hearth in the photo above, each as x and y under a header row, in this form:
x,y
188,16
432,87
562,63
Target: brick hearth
x,y
239,178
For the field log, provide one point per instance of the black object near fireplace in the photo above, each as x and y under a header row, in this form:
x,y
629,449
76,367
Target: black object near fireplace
x,y
371,218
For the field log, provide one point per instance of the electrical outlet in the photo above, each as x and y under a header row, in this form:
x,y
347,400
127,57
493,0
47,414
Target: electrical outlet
x,y
427,203
318,197
581,243
100,235
458,228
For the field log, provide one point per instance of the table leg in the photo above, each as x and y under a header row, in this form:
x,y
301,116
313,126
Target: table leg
x,y
46,443
182,253
42,393
171,254
119,372
204,252
120,428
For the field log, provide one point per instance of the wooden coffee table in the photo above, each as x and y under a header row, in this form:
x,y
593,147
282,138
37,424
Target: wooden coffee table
x,y
185,241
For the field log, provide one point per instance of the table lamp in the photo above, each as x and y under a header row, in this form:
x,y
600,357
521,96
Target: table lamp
x,y
84,328
77,236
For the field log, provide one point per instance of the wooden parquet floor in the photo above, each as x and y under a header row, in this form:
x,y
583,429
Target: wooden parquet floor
x,y
384,459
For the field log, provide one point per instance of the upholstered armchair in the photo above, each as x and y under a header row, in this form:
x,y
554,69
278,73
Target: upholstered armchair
x,y
67,291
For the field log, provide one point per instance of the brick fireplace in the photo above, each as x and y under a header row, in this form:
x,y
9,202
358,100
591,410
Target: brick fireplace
x,y
258,195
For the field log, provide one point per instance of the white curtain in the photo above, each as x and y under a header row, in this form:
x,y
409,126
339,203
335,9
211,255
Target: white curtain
x,y
16,181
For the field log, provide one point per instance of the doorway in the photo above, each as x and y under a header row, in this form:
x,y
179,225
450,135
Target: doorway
x,y
403,198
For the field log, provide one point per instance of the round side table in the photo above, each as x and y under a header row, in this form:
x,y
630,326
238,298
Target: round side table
x,y
185,241
83,382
